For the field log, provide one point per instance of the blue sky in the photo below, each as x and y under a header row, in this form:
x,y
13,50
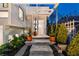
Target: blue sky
x,y
65,9
68,9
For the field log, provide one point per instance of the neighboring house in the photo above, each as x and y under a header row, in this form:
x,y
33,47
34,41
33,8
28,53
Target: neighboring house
x,y
71,23
12,21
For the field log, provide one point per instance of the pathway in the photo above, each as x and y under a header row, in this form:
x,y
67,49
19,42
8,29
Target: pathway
x,y
40,47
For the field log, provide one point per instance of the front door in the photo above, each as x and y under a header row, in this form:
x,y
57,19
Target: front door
x,y
41,28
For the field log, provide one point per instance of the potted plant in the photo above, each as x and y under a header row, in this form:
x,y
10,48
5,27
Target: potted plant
x,y
29,37
73,47
35,33
61,37
52,34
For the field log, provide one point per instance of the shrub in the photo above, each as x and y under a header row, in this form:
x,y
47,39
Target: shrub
x,y
52,31
16,42
56,30
3,47
62,34
73,47
23,36
48,29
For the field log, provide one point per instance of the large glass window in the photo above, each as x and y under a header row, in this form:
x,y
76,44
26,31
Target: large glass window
x,y
21,14
36,25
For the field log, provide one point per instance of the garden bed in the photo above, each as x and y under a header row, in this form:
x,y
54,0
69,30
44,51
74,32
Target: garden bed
x,y
55,51
12,52
15,51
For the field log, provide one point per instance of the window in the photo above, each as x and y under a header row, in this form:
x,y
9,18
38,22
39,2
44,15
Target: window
x,y
21,14
71,23
36,24
4,14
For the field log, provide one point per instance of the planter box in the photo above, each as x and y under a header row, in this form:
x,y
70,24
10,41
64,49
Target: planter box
x,y
29,38
52,40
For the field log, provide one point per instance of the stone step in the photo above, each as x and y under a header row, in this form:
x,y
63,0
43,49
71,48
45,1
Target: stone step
x,y
40,37
40,41
41,53
41,50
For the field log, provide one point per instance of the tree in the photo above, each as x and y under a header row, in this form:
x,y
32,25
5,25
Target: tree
x,y
62,34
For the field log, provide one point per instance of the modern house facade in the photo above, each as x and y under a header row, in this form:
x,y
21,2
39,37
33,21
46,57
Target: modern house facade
x,y
19,18
11,22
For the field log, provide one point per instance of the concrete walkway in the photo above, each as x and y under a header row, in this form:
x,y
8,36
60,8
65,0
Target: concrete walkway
x,y
40,47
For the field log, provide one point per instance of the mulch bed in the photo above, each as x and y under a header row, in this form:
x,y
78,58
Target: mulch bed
x,y
12,52
55,51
